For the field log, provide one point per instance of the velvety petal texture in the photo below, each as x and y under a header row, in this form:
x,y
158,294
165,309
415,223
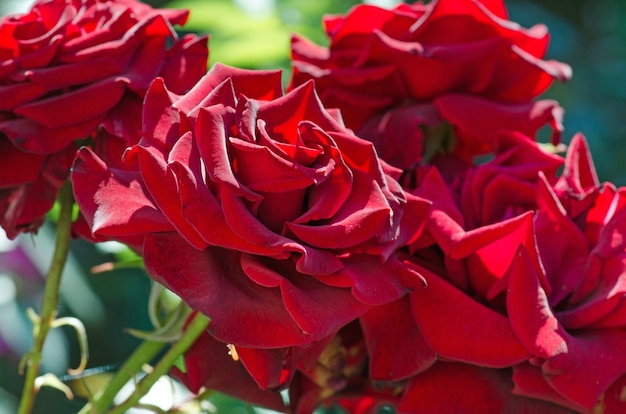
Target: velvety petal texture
x,y
458,388
397,73
95,50
527,278
71,70
427,255
273,214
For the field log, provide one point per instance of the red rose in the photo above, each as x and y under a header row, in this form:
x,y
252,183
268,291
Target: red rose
x,y
507,185
461,62
537,296
69,67
271,212
570,312
66,64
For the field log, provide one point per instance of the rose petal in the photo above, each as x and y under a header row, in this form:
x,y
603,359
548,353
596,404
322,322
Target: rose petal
x,y
213,282
186,62
34,137
530,382
18,167
317,308
480,119
394,342
122,207
580,367
75,107
208,365
458,388
474,333
160,181
272,369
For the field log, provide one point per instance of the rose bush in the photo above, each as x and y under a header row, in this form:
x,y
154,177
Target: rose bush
x,y
438,259
69,67
271,212
462,62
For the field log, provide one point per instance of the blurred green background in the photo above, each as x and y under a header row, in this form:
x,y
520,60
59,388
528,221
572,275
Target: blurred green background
x,y
587,34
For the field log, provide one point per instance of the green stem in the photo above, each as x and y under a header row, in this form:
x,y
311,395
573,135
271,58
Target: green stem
x,y
50,298
143,354
198,324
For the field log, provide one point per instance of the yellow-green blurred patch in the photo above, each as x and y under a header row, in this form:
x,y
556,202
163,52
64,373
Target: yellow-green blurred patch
x,y
238,38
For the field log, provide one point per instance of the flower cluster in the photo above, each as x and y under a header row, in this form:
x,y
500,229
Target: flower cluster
x,y
72,71
385,232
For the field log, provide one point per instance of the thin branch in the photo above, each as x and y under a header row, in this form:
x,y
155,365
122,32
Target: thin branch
x,y
42,324
191,333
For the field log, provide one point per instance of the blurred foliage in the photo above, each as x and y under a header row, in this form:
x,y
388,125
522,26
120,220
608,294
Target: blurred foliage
x,y
589,35
256,34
